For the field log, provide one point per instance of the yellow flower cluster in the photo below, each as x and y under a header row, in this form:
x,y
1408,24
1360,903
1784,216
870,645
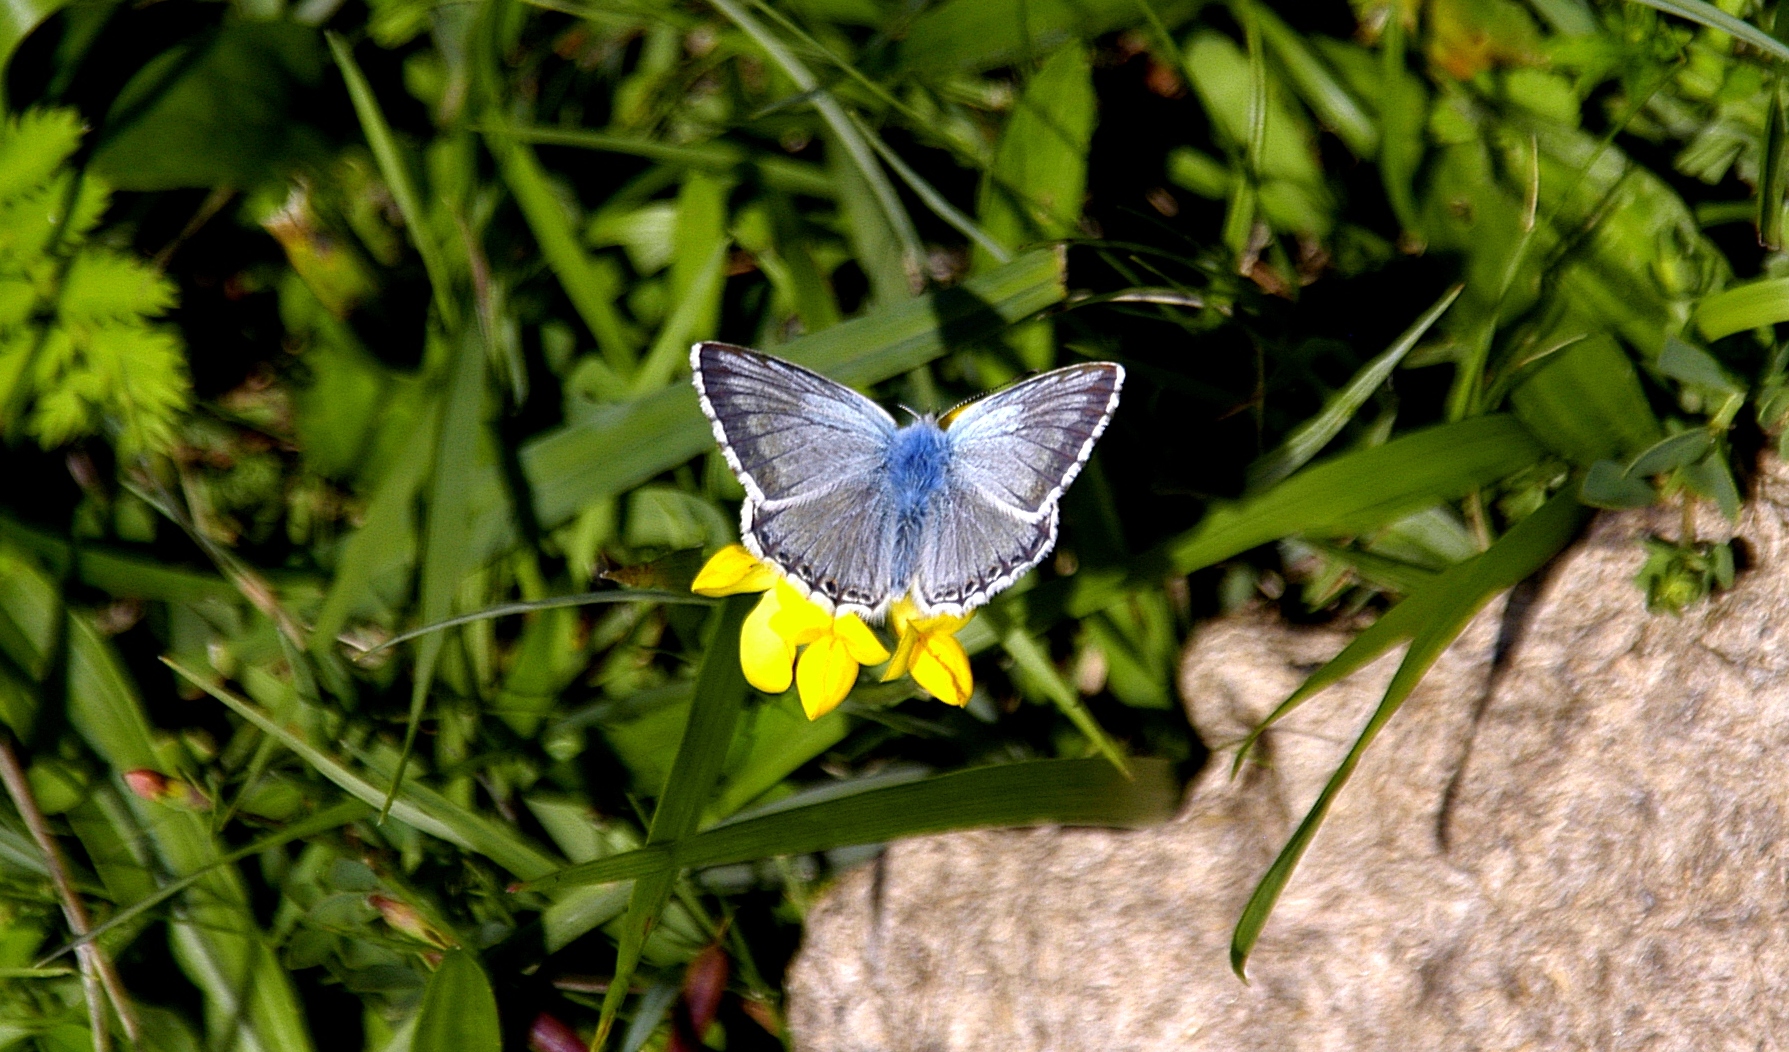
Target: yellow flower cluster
x,y
926,648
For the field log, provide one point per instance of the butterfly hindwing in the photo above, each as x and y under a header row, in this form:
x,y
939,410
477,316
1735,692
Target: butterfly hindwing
x,y
811,454
1013,453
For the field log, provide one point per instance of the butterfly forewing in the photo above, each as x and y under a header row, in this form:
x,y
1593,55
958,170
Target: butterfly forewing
x,y
786,431
811,455
1012,455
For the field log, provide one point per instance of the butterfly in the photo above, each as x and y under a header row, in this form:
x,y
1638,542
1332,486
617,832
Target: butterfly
x,y
858,511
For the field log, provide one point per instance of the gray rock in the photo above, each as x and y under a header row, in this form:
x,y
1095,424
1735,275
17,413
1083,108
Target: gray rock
x,y
1579,844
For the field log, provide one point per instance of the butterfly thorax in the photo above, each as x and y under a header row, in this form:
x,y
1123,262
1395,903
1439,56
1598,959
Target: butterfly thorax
x,y
918,462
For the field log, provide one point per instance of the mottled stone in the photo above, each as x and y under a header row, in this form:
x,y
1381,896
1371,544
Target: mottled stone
x,y
1574,835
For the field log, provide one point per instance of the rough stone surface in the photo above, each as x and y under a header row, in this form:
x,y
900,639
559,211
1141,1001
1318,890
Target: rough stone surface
x,y
1574,835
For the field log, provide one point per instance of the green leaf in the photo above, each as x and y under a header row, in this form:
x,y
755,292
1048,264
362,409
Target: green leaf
x,y
226,117
1309,438
1585,403
1742,307
1033,664
34,144
1431,619
1714,18
415,804
459,1009
708,735
395,168
1692,365
104,286
1608,485
1089,792
1668,454
1317,84
1355,492
448,531
588,290
1034,188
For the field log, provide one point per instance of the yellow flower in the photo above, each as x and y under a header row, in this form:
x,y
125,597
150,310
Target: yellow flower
x,y
784,620
928,651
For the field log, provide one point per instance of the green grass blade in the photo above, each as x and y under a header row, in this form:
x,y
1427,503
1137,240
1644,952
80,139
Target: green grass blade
x,y
414,805
613,595
1085,792
1031,659
620,446
1714,18
1743,307
778,173
217,939
459,1009
446,535
1353,492
1586,403
1309,438
854,144
115,571
1455,597
396,169
714,717
937,202
696,310
332,817
560,248
1773,173
1321,90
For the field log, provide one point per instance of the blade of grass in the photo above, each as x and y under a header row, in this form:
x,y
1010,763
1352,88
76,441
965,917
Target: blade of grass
x,y
459,1009
1742,307
447,532
332,817
1714,18
934,200
1082,792
707,736
842,127
1309,438
559,247
1327,97
414,805
614,595
216,938
395,168
1031,659
779,173
1445,608
1353,492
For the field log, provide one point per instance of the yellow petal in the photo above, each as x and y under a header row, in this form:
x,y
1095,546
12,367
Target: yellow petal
x,y
798,619
862,643
941,667
766,658
903,656
733,570
826,674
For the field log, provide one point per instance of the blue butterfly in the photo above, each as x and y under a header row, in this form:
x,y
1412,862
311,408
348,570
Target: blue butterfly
x,y
858,511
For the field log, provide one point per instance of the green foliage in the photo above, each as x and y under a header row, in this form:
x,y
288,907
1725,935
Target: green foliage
x,y
79,353
1398,304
